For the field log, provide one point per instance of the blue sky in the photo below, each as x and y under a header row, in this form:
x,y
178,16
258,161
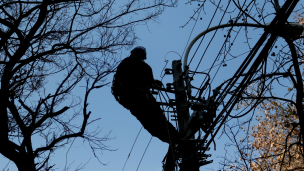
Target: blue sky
x,y
159,38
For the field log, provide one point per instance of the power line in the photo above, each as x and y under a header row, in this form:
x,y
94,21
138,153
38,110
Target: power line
x,y
193,28
207,28
144,153
212,36
131,149
229,32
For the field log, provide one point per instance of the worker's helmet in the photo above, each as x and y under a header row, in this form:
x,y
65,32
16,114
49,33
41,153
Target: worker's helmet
x,y
140,52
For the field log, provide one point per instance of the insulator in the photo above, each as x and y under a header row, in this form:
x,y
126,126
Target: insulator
x,y
168,71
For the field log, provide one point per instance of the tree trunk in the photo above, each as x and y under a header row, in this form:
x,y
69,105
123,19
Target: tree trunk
x,y
25,163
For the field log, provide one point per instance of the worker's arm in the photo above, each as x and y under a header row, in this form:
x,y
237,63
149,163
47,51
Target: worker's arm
x,y
158,83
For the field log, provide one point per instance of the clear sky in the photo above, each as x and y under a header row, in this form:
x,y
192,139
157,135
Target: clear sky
x,y
158,38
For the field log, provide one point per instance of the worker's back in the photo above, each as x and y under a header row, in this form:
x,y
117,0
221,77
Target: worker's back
x,y
133,72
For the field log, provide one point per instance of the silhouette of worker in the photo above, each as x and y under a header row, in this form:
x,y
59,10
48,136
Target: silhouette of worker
x,y
131,85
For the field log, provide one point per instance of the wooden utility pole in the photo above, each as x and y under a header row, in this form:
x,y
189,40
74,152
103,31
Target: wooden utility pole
x,y
185,148
180,96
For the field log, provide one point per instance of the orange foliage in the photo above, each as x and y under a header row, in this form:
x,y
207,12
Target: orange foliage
x,y
275,139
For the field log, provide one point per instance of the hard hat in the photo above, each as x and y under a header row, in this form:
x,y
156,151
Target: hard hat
x,y
140,52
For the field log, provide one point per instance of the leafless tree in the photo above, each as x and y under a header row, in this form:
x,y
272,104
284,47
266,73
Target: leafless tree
x,y
47,48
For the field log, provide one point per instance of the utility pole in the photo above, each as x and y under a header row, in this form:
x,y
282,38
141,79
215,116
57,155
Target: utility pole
x,y
185,148
180,96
